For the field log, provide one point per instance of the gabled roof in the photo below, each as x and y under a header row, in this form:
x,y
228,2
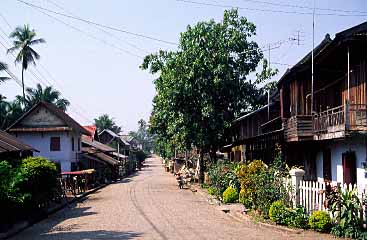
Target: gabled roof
x,y
97,145
326,45
115,136
70,122
308,58
9,143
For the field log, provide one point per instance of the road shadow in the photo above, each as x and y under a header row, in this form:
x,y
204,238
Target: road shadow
x,y
83,235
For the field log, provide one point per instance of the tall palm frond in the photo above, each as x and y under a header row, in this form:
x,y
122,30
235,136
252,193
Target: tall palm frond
x,y
47,94
24,38
3,67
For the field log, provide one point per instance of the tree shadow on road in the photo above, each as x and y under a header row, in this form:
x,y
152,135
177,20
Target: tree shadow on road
x,y
83,235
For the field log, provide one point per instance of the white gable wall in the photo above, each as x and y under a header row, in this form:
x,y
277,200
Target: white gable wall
x,y
41,142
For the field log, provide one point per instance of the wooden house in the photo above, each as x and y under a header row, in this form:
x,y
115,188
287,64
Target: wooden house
x,y
325,119
322,111
256,134
52,132
98,156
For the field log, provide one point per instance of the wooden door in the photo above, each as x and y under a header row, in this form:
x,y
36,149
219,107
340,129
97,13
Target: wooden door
x,y
349,168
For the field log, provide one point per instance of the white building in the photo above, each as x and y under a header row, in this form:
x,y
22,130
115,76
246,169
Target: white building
x,y
52,132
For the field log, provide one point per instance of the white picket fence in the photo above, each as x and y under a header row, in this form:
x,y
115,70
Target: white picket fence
x,y
312,195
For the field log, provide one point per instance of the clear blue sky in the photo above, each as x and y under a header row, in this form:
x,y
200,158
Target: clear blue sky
x,y
98,78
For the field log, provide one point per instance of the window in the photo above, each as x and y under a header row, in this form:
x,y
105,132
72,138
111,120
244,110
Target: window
x,y
78,144
72,144
55,144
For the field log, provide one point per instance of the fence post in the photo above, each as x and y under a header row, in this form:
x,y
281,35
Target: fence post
x,y
296,177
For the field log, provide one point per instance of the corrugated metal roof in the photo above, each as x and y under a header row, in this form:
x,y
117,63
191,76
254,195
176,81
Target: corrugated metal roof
x,y
93,143
9,143
92,154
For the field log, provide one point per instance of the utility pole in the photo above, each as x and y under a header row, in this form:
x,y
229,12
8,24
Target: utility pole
x,y
313,46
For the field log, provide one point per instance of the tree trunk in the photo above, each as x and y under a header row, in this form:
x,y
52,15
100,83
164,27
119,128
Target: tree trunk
x,y
23,86
201,168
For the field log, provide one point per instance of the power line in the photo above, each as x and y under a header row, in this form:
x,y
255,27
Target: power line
x,y
7,23
99,28
267,10
35,76
97,24
303,7
90,35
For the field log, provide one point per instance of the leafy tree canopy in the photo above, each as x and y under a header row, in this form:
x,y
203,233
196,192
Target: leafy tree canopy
x,y
203,86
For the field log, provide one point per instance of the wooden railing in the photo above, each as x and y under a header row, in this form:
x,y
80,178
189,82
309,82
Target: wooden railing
x,y
348,117
357,117
298,128
329,118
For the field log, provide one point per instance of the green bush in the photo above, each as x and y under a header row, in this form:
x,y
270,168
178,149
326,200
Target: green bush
x,y
230,195
222,175
297,218
212,191
283,215
345,209
41,175
279,213
263,184
246,201
320,221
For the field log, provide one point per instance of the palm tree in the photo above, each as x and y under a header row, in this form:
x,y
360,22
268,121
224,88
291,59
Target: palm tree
x,y
3,67
106,122
24,39
48,94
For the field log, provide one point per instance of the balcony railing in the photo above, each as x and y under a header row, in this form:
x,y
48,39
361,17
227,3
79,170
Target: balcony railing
x,y
348,117
298,128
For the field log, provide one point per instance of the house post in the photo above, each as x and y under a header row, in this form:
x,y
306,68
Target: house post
x,y
296,177
346,115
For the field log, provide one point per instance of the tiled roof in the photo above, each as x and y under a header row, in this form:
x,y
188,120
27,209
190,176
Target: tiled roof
x,y
92,130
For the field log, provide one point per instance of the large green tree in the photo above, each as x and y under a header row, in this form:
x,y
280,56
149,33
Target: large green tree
x,y
204,85
106,122
47,94
24,40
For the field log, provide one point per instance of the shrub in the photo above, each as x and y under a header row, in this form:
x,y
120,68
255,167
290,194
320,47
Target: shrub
x,y
41,175
247,202
230,195
222,175
298,218
212,191
345,209
320,221
279,213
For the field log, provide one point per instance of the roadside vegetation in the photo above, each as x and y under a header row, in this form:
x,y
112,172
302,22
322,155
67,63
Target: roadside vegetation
x,y
26,187
262,190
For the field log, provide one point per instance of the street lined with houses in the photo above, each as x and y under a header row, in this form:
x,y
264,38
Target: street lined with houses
x,y
149,205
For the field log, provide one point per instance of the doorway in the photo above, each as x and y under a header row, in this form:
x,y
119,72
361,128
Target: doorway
x,y
349,168
326,166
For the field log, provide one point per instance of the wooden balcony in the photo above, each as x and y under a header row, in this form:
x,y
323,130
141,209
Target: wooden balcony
x,y
298,128
340,121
